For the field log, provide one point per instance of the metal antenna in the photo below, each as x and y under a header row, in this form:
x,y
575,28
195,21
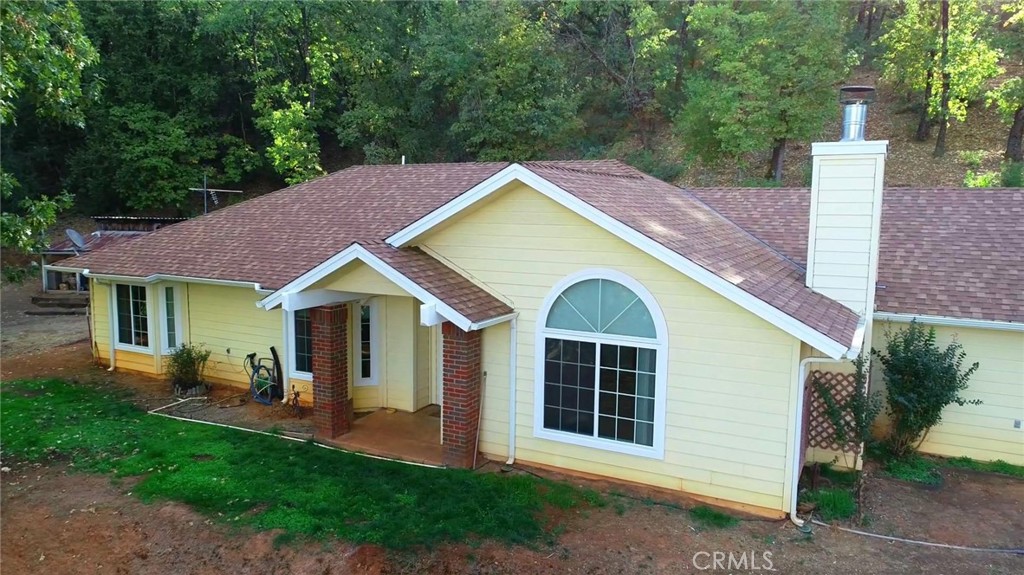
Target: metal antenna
x,y
211,193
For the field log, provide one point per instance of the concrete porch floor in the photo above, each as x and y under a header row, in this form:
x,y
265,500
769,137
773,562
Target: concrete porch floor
x,y
400,435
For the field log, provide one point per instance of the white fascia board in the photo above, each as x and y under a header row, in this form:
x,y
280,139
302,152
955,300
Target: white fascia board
x,y
856,148
950,321
358,252
628,234
493,321
154,278
65,270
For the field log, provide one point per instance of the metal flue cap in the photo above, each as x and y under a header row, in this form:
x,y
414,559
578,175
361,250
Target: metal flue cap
x,y
856,95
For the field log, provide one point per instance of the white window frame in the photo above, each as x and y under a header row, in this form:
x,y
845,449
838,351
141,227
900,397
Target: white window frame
x,y
659,344
293,373
178,323
357,347
115,333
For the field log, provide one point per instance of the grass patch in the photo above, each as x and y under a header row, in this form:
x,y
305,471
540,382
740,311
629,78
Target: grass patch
x,y
268,483
709,518
832,503
915,469
838,477
997,466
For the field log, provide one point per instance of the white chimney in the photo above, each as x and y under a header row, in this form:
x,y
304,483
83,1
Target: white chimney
x,y
846,209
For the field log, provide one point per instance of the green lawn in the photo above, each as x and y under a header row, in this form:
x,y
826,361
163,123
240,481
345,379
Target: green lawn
x,y
269,483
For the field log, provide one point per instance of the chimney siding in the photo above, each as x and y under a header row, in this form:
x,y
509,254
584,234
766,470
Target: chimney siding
x,y
846,209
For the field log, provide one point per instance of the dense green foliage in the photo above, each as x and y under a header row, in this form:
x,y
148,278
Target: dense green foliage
x,y
267,482
773,68
128,104
921,379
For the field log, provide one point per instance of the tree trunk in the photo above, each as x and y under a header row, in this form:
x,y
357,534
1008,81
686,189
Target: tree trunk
x,y
778,157
940,141
867,9
684,41
1014,144
924,123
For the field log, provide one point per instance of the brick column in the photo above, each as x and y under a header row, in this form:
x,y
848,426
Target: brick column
x,y
332,408
461,390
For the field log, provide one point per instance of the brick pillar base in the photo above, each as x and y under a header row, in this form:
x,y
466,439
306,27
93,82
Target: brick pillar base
x,y
332,408
461,390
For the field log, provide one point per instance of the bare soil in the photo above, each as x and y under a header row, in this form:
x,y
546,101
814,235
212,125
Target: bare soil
x,y
25,334
55,521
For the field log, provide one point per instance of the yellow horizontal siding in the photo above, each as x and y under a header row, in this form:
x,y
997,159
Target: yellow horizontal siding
x,y
983,431
227,321
729,377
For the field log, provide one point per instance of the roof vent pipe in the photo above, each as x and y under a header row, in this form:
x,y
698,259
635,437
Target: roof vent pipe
x,y
855,100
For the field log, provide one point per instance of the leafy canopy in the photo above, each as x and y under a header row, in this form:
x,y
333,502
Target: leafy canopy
x,y
770,75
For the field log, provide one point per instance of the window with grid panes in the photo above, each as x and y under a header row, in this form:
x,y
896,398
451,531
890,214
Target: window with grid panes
x,y
600,364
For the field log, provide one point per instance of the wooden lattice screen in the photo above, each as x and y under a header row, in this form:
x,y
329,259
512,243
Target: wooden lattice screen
x,y
820,431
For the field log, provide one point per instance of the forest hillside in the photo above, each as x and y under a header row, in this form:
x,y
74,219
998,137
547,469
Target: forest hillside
x,y
121,107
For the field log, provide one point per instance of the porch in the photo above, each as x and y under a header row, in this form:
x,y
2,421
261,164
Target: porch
x,y
414,437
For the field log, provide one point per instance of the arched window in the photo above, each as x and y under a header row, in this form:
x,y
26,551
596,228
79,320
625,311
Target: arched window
x,y
601,368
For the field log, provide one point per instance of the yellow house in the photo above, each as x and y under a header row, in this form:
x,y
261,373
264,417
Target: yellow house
x,y
575,315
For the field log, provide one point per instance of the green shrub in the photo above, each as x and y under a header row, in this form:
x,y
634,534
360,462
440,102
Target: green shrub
x,y
187,366
1012,175
921,380
972,158
17,274
980,179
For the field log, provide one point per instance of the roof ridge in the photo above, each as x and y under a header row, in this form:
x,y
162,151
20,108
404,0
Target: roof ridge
x,y
554,165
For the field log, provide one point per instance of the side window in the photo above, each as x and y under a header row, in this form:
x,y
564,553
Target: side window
x,y
132,315
303,347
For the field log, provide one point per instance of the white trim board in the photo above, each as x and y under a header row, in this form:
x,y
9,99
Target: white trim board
x,y
357,252
516,172
154,278
950,321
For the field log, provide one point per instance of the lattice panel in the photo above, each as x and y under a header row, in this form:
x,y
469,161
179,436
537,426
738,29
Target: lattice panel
x,y
820,431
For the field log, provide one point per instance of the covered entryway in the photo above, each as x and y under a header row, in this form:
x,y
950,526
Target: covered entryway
x,y
461,376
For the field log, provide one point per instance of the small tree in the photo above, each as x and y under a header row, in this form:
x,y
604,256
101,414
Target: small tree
x,y
921,380
187,366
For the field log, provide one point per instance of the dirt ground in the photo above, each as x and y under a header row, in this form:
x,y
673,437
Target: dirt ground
x,y
55,521
21,334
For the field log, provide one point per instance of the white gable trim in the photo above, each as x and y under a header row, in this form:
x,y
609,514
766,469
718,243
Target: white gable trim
x,y
358,252
516,172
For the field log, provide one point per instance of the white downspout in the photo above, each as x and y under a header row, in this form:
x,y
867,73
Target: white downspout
x,y
512,350
112,288
797,436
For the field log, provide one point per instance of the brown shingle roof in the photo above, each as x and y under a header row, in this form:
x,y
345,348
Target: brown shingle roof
x,y
944,252
682,223
276,238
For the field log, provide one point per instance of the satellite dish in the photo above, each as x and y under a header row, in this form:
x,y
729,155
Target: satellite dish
x,y
76,238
